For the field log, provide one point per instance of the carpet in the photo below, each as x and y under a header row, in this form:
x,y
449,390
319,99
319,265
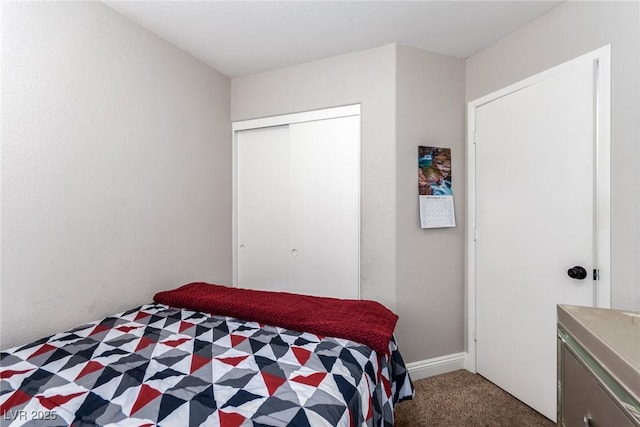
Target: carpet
x,y
463,399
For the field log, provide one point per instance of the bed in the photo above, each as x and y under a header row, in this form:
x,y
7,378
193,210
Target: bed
x,y
189,359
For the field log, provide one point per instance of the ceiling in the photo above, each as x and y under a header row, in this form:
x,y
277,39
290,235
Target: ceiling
x,y
245,37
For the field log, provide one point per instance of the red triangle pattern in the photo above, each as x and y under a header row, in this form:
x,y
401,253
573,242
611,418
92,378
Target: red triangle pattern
x,y
236,339
176,343
198,362
184,326
91,366
144,343
230,419
313,380
387,386
126,329
302,354
45,348
233,361
141,315
9,373
98,329
272,382
16,399
52,402
145,395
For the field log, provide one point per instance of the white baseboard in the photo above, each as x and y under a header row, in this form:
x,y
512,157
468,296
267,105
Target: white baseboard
x,y
437,365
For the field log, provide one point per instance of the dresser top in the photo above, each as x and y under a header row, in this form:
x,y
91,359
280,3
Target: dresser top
x,y
611,336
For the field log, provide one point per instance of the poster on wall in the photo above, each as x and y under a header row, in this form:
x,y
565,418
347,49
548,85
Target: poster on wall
x,y
434,187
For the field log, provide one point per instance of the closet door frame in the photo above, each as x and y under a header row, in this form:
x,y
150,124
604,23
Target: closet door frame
x,y
281,120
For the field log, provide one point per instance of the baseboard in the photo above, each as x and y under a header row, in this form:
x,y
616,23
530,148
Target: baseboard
x,y
437,365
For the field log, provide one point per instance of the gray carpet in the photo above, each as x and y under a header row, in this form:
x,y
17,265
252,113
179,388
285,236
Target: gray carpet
x,y
463,399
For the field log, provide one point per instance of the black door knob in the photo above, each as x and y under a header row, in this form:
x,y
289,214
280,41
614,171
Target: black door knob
x,y
577,272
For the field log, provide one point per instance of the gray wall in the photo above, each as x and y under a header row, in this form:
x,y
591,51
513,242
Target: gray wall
x,y
430,263
115,167
368,78
409,97
567,31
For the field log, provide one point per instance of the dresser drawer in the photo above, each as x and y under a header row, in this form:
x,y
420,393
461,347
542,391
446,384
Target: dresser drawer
x,y
584,401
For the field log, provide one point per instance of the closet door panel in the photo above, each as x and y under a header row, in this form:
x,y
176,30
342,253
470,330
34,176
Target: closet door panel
x,y
263,208
324,215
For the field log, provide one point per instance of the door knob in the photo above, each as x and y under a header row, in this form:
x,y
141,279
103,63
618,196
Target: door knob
x,y
577,272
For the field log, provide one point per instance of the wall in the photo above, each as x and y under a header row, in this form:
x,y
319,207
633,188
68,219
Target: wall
x,y
409,97
366,77
567,31
430,274
116,167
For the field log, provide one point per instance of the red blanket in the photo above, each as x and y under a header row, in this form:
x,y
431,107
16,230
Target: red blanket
x,y
365,322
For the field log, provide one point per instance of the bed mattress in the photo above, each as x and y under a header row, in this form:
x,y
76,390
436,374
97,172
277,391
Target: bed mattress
x,y
160,365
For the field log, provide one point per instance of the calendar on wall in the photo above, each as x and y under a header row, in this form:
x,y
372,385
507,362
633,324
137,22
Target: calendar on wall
x,y
434,187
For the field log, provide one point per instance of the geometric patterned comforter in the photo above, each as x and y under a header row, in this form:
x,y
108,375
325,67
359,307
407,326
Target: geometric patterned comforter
x,y
158,365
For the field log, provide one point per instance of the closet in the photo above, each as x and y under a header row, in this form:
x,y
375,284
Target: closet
x,y
297,203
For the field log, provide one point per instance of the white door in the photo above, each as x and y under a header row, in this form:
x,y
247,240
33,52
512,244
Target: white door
x,y
535,218
298,207
325,207
263,207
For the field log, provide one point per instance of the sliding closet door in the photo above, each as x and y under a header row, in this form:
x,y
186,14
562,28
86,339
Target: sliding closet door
x,y
298,207
263,207
324,217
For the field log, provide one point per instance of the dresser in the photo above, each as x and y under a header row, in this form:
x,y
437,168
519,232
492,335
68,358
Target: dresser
x,y
598,367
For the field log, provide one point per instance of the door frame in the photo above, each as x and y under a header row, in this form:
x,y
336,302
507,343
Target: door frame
x,y
281,120
601,58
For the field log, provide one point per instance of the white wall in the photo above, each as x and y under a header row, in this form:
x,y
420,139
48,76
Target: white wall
x,y
409,97
366,77
565,32
430,263
116,167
